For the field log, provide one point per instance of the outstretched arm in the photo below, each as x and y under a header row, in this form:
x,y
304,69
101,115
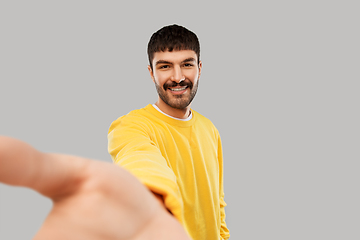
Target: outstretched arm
x,y
92,199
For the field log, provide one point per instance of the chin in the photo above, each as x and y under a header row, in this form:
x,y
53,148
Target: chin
x,y
178,103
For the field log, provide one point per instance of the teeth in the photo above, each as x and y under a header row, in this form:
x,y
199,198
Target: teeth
x,y
178,89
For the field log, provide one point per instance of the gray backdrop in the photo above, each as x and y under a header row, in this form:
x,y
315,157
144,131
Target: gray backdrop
x,y
280,80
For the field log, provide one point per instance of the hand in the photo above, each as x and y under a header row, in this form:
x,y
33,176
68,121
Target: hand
x,y
93,200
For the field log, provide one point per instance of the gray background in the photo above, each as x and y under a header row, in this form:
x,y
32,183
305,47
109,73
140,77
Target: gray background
x,y
280,80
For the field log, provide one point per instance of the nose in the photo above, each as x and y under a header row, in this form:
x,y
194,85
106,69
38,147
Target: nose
x,y
178,76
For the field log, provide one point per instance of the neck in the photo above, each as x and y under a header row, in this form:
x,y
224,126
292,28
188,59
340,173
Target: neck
x,y
176,113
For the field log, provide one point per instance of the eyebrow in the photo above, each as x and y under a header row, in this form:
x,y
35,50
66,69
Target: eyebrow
x,y
191,59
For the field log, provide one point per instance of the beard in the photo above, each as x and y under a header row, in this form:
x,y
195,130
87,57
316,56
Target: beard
x,y
177,101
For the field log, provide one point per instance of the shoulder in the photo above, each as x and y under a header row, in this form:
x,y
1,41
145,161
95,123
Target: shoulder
x,y
201,119
138,117
205,123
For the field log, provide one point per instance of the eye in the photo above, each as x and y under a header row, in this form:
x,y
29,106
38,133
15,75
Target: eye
x,y
188,65
164,66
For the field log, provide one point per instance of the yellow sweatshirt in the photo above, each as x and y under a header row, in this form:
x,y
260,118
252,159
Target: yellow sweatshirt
x,y
180,160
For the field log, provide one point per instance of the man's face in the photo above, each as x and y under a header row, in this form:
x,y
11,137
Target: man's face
x,y
176,76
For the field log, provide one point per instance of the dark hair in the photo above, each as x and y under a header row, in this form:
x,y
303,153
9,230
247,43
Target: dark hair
x,y
173,37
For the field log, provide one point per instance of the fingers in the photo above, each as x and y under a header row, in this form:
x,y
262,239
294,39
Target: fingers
x,y
49,174
17,165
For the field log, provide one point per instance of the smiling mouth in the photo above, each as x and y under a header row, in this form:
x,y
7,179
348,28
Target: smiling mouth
x,y
178,89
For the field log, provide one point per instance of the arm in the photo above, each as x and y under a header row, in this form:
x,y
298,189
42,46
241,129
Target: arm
x,y
92,200
131,146
224,231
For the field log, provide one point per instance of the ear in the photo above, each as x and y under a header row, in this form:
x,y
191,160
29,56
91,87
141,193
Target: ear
x,y
151,73
200,67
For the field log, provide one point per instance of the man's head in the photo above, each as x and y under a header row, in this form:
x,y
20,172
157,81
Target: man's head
x,y
174,65
173,38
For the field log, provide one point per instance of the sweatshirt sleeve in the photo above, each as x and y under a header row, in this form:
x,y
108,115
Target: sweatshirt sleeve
x,y
224,231
131,147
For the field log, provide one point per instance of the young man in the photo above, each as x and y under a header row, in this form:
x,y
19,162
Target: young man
x,y
173,150
179,161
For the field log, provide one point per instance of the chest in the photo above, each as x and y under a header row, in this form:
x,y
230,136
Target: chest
x,y
192,154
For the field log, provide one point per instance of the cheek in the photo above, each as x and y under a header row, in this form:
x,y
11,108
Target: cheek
x,y
193,76
161,78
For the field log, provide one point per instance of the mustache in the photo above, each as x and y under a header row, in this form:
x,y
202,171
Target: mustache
x,y
172,84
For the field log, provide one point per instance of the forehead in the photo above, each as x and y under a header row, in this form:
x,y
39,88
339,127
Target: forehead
x,y
174,56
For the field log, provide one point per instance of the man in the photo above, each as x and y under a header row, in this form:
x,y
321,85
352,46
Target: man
x,y
94,200
173,150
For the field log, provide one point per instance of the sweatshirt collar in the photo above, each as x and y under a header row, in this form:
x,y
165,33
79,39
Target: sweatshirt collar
x,y
171,120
